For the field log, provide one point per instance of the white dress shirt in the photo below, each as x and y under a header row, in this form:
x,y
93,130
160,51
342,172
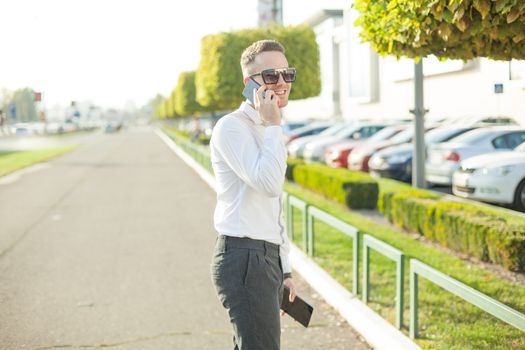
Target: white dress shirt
x,y
249,162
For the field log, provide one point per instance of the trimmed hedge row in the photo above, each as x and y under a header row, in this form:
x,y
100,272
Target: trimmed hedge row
x,y
463,227
218,80
291,164
355,190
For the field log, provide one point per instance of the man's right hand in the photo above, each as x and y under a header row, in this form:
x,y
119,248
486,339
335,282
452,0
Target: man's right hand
x,y
266,103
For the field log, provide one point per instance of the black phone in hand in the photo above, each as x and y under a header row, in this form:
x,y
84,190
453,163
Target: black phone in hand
x,y
299,310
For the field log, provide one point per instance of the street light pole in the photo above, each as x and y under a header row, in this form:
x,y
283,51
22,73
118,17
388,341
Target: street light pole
x,y
418,167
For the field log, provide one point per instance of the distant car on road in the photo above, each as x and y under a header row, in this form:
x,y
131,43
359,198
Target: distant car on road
x,y
495,177
395,162
444,158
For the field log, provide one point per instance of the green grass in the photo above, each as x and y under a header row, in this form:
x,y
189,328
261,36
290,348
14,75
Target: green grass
x,y
446,322
72,133
11,161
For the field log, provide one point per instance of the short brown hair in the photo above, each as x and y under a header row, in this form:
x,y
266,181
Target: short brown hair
x,y
249,54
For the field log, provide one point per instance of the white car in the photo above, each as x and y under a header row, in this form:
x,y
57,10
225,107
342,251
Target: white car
x,y
444,158
495,178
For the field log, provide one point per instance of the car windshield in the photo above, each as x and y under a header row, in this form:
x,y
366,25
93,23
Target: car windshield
x,y
474,136
403,136
307,128
333,129
346,131
442,134
385,133
520,148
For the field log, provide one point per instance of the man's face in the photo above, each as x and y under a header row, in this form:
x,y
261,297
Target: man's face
x,y
275,60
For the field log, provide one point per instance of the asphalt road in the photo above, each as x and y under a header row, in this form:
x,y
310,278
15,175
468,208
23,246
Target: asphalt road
x,y
110,246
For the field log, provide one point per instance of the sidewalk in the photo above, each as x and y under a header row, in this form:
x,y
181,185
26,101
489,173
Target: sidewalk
x,y
111,246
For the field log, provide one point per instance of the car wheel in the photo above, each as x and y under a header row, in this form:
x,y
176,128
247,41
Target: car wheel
x,y
519,197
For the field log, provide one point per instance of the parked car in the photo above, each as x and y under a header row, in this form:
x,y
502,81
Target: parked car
x,y
358,159
395,162
288,127
314,151
483,121
336,156
296,147
308,130
444,158
494,177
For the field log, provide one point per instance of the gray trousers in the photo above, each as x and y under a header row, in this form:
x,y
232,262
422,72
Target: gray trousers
x,y
248,277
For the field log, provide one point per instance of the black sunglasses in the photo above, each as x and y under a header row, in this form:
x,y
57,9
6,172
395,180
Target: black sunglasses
x,y
271,76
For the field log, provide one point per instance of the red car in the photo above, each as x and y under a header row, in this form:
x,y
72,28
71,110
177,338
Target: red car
x,y
336,156
358,159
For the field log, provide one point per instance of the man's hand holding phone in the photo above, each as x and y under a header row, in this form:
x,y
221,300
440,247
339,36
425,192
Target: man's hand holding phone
x,y
266,103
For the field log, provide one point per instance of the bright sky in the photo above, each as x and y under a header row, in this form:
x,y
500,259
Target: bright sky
x,y
116,52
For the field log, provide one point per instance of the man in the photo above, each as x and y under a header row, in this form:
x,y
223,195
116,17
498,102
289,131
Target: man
x,y
250,263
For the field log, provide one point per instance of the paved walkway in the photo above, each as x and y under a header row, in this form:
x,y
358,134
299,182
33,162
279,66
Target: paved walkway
x,y
110,246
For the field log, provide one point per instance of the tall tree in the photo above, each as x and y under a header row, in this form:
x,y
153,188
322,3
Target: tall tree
x,y
455,29
185,99
24,101
219,78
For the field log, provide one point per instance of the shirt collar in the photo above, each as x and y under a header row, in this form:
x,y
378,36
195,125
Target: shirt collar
x,y
251,113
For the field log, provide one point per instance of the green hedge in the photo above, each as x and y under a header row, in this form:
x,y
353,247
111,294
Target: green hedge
x,y
353,189
463,227
219,78
184,96
291,164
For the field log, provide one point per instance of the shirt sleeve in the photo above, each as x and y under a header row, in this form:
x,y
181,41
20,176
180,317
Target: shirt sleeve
x,y
284,253
262,168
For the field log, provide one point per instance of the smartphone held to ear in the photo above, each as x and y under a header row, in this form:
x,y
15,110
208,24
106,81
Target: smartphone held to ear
x,y
248,89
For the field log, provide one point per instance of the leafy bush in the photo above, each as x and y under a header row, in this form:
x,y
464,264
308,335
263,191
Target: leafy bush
x,y
463,227
353,189
291,163
219,78
184,98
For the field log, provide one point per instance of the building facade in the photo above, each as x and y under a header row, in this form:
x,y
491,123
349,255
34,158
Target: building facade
x,y
374,87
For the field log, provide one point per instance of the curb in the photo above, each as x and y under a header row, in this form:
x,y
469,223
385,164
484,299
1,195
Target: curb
x,y
377,332
17,174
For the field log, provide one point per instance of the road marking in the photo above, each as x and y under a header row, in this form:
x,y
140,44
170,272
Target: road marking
x,y
15,176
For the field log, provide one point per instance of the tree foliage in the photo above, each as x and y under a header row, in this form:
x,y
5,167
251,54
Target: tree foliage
x,y
456,29
219,77
185,99
24,100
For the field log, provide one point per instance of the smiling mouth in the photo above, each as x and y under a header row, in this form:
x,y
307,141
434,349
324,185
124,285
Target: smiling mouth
x,y
280,92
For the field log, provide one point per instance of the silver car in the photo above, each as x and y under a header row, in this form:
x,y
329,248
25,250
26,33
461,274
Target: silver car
x,y
314,151
296,147
444,158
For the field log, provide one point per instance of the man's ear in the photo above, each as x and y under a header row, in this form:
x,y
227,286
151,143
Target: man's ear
x,y
245,81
